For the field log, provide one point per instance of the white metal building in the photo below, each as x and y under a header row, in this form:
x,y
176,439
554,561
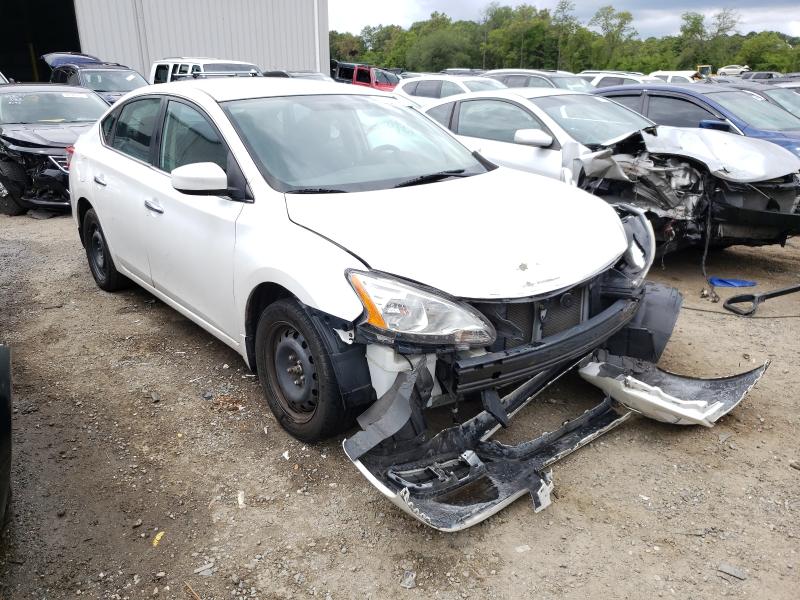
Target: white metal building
x,y
273,34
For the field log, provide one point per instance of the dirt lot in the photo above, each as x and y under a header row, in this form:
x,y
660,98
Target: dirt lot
x,y
144,453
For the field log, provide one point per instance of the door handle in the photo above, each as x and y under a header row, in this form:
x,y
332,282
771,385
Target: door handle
x,y
99,180
153,206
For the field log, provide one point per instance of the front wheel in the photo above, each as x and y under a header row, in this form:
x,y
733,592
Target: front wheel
x,y
100,262
297,375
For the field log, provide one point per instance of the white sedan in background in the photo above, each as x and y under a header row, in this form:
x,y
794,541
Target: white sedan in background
x,y
616,153
430,88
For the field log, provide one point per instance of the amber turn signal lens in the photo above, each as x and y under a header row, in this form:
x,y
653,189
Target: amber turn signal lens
x,y
374,316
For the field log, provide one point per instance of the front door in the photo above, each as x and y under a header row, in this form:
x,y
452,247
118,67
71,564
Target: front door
x,y
190,238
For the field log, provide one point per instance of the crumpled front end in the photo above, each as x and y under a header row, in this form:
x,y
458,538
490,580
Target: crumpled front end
x,y
612,328
698,183
40,178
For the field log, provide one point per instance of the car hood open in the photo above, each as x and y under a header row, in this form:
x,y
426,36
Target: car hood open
x,y
502,234
57,135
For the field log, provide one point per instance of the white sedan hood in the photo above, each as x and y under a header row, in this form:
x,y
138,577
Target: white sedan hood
x,y
503,234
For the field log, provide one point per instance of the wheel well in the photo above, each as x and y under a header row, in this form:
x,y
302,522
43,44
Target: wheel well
x,y
262,296
83,208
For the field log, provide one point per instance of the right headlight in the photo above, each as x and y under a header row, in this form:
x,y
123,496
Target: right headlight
x,y
399,312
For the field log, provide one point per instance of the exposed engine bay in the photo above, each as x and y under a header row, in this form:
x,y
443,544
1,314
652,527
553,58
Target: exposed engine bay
x,y
690,193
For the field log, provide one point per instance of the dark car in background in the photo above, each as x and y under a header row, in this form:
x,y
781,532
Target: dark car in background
x,y
721,107
5,435
761,75
521,78
111,81
38,122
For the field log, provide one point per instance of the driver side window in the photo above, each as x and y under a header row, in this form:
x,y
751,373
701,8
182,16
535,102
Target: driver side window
x,y
493,120
189,138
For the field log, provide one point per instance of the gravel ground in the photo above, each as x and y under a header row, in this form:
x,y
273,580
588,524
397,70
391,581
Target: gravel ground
x,y
147,464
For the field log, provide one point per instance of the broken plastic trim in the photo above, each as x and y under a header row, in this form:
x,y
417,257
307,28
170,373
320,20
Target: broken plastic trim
x,y
656,394
458,478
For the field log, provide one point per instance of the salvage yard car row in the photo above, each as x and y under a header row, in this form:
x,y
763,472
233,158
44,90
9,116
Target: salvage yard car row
x,y
371,261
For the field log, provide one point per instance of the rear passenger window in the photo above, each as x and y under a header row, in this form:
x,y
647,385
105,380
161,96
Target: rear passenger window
x,y
161,74
449,89
538,82
429,89
629,81
609,81
633,101
676,112
516,81
411,88
442,113
107,126
362,76
189,138
134,132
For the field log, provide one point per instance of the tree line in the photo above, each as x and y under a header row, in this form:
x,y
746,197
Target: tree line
x,y
527,37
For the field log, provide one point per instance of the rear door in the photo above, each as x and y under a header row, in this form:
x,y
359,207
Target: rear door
x,y
190,238
122,174
488,126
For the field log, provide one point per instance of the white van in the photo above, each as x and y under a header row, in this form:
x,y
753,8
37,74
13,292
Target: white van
x,y
182,67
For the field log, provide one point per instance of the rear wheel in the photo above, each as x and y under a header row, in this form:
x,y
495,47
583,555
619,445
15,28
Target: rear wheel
x,y
12,185
100,262
297,375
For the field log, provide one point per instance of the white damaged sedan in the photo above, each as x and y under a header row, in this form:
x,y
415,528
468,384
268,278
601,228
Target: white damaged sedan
x,y
367,265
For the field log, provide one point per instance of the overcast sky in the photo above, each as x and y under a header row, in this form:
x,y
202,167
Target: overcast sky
x,y
650,17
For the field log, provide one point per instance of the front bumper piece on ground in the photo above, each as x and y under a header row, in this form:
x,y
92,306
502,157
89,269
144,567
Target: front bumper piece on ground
x,y
459,477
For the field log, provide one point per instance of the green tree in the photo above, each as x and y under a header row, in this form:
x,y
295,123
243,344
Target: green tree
x,y
616,29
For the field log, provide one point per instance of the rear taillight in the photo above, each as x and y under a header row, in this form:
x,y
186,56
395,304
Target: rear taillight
x,y
70,152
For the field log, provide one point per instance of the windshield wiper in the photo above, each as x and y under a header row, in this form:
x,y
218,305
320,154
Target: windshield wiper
x,y
315,191
431,177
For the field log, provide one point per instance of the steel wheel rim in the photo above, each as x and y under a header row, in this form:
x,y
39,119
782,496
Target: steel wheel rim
x,y
293,372
98,251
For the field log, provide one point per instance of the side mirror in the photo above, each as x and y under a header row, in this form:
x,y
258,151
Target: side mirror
x,y
714,124
200,179
532,137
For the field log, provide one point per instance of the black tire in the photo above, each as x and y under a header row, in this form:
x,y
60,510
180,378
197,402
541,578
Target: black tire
x,y
14,180
100,262
296,374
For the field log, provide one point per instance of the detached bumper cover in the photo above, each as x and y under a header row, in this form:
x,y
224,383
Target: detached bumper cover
x,y
458,477
644,388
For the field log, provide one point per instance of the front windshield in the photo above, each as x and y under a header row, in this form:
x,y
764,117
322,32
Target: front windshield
x,y
788,99
345,142
483,85
757,111
575,84
50,107
591,120
112,81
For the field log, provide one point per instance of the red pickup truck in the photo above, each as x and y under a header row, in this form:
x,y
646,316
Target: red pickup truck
x,y
365,75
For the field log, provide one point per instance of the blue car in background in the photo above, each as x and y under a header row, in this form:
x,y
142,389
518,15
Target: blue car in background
x,y
711,106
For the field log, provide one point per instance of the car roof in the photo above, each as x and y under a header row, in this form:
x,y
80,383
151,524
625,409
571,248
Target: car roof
x,y
96,66
42,87
688,73
444,77
510,94
545,72
202,59
240,88
685,88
